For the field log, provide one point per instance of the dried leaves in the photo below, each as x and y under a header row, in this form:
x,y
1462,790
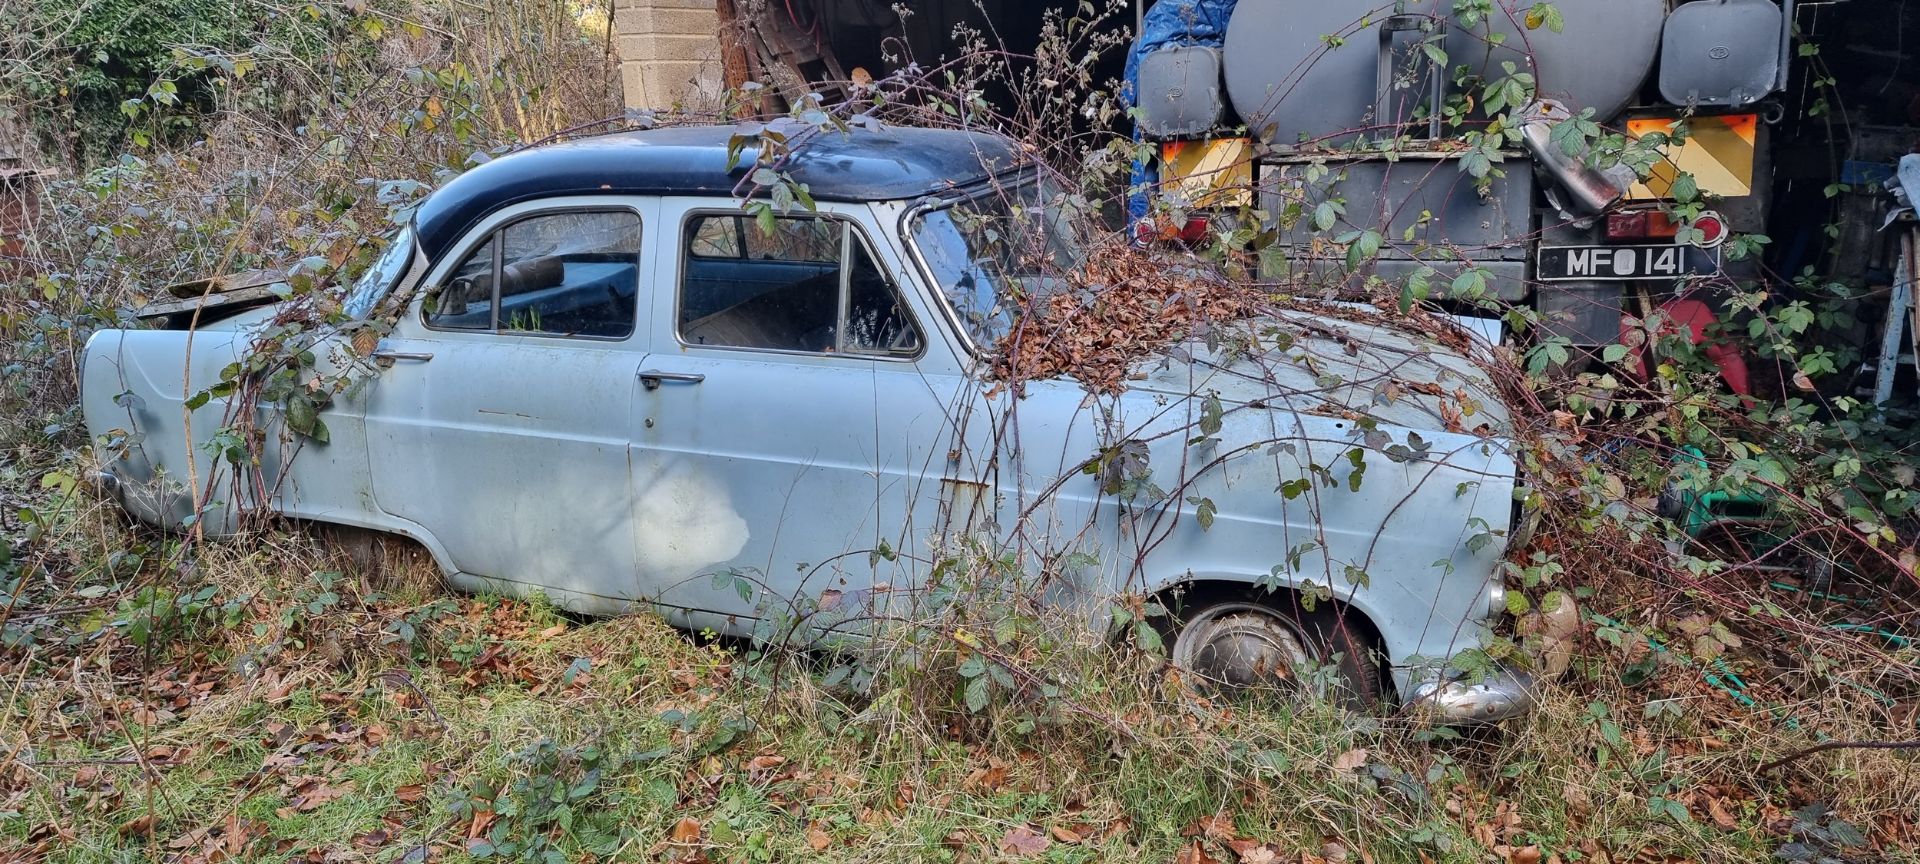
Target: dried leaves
x,y
1124,305
1024,842
1215,840
1347,762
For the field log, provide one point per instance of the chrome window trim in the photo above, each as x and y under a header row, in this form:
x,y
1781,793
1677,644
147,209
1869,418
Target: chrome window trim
x,y
850,226
969,348
415,269
494,228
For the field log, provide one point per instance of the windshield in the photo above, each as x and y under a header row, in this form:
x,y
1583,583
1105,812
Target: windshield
x,y
373,285
990,251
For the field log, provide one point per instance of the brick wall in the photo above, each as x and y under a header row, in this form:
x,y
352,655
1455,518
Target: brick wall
x,y
669,53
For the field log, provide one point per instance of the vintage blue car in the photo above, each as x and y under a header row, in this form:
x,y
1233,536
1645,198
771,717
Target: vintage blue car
x,y
608,381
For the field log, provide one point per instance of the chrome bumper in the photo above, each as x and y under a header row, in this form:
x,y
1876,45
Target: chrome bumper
x,y
1503,694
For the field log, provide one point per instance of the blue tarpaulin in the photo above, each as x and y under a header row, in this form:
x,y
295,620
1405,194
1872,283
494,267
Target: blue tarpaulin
x,y
1168,22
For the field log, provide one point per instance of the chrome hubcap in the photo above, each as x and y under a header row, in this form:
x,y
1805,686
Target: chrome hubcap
x,y
1242,645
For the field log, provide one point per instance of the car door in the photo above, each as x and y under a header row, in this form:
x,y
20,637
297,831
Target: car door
x,y
501,429
757,442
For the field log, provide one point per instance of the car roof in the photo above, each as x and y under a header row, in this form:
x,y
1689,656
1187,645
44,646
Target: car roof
x,y
887,163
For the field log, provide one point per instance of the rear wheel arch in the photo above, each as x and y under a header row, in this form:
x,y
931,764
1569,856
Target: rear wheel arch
x,y
375,538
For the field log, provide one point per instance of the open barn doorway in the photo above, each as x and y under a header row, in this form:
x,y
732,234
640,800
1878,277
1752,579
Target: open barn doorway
x,y
833,40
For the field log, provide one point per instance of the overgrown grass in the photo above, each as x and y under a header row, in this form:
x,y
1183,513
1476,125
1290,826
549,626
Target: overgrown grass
x,y
285,716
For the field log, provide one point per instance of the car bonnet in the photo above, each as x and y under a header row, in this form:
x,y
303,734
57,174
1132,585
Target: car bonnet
x,y
1344,366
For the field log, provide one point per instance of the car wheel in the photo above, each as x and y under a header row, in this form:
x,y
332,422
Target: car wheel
x,y
1254,646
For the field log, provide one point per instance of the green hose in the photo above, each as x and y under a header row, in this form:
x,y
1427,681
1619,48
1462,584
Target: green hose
x,y
1897,639
1717,673
1822,595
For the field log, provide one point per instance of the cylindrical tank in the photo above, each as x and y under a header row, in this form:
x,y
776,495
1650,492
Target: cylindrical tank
x,y
1309,70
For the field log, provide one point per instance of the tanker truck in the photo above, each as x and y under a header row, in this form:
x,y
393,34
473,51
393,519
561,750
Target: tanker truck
x,y
1430,132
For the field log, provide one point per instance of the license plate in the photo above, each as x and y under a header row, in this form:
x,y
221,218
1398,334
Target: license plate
x,y
1621,263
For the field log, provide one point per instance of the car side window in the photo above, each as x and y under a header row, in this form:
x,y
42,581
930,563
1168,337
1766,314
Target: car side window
x,y
717,238
465,301
743,286
558,274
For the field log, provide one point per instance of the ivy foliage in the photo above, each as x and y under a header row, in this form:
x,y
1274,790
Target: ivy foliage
x,y
111,57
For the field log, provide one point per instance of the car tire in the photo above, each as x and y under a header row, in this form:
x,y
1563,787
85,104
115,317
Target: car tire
x,y
1253,642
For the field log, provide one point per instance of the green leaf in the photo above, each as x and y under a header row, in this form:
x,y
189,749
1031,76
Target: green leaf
x,y
1477,164
1298,552
1686,190
1203,511
1613,353
1470,284
1146,638
1325,215
1545,14
1846,835
1418,287
1362,248
1210,413
301,415
1275,761
976,694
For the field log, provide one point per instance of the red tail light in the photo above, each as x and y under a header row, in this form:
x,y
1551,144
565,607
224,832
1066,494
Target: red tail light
x,y
1192,232
1630,225
1195,231
1712,228
1641,225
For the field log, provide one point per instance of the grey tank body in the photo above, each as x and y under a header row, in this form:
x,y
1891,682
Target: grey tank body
x,y
1309,70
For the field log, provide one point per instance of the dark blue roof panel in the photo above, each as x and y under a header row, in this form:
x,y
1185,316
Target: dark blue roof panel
x,y
864,165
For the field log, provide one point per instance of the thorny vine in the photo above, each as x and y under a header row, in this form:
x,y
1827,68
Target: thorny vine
x,y
1598,447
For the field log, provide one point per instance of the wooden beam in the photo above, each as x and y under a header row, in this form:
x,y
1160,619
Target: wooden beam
x,y
734,70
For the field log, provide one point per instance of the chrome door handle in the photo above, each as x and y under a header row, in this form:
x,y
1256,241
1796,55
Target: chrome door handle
x,y
402,355
653,378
